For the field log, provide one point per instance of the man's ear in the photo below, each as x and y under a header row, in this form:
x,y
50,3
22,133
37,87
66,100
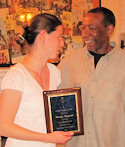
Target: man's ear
x,y
110,30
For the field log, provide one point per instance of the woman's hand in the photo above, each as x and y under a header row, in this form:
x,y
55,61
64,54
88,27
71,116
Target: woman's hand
x,y
9,129
59,137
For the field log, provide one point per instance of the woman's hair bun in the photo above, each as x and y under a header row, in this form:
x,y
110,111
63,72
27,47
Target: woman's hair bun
x,y
26,28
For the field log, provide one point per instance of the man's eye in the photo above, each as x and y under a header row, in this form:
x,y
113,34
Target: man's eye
x,y
82,28
89,27
92,28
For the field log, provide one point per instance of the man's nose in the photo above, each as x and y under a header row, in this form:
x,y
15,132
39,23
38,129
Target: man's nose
x,y
85,31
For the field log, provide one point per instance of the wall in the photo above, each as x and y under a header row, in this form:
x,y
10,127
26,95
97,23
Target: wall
x,y
117,6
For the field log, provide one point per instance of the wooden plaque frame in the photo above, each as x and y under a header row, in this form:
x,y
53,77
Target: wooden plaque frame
x,y
63,110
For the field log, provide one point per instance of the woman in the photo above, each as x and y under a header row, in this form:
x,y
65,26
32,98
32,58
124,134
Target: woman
x,y
22,117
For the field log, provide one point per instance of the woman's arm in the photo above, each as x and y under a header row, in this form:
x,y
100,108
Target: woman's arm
x,y
9,104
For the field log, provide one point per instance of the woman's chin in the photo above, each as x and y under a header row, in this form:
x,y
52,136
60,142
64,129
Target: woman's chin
x,y
54,60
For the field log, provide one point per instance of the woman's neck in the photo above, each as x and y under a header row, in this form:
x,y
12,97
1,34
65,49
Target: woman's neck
x,y
34,63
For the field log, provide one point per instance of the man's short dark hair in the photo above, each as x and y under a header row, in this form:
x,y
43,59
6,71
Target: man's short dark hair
x,y
109,17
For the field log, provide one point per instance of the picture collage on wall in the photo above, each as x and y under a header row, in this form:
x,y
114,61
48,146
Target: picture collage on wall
x,y
70,12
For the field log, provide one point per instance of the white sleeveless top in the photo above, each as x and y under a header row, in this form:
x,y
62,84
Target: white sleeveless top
x,y
31,113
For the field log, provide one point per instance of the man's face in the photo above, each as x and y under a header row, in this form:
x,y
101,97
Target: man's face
x,y
93,31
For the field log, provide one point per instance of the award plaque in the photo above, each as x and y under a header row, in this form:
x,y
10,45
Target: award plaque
x,y
63,110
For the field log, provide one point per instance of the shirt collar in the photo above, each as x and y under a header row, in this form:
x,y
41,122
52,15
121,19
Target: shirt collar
x,y
107,56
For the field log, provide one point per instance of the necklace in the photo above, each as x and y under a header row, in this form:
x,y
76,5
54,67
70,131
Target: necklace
x,y
42,78
45,78
44,81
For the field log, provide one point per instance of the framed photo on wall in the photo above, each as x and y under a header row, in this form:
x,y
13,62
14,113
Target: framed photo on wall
x,y
5,60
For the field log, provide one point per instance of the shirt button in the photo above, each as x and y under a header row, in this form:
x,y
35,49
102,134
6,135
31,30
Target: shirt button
x,y
92,97
90,115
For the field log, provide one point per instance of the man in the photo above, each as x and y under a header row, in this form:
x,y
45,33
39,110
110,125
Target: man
x,y
100,72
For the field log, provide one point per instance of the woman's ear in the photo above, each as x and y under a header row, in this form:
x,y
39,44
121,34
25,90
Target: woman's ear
x,y
42,35
110,29
43,32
